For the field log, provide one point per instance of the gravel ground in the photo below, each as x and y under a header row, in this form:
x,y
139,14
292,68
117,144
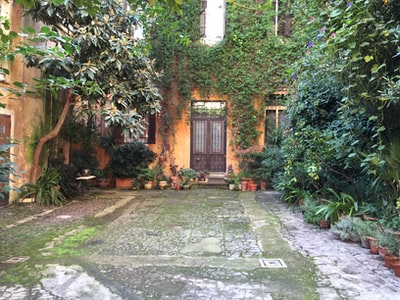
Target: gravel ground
x,y
85,205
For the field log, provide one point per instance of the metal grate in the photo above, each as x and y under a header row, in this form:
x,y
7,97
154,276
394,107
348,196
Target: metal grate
x,y
274,263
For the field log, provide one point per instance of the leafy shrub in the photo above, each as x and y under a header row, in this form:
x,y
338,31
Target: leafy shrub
x,y
7,168
129,159
310,211
390,241
366,228
345,229
264,166
342,205
68,184
45,189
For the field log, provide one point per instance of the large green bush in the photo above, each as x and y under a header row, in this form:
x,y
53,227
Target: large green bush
x,y
346,97
129,159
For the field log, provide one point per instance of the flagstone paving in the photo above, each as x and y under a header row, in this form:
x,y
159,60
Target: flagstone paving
x,y
206,244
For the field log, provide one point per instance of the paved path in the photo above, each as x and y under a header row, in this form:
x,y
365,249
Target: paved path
x,y
212,244
345,270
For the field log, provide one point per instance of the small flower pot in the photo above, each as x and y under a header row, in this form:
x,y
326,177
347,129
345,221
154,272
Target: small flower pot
x,y
364,242
373,245
389,260
324,224
148,185
263,185
382,251
396,268
252,186
244,186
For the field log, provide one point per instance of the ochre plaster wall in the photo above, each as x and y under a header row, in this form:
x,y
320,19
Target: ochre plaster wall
x,y
180,140
26,111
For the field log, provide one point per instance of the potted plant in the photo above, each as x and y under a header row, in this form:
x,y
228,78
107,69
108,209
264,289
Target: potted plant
x,y
162,181
147,175
230,177
202,176
46,190
128,161
365,229
187,175
391,244
342,205
345,229
103,176
310,211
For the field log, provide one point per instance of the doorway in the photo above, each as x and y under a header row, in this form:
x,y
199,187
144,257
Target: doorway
x,y
208,136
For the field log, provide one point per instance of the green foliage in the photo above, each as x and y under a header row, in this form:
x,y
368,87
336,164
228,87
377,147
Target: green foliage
x,y
295,196
345,229
250,62
68,184
7,169
147,174
188,174
130,159
264,166
83,160
345,100
390,241
102,173
101,62
366,228
388,173
392,223
342,205
310,211
45,189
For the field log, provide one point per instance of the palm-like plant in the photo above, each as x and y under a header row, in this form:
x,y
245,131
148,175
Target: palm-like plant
x,y
45,189
343,205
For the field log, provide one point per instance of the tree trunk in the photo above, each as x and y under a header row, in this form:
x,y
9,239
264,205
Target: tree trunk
x,y
48,137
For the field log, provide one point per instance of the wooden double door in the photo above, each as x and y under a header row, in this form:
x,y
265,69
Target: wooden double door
x,y
208,143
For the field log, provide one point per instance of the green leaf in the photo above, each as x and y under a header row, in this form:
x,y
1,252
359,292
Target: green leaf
x,y
18,84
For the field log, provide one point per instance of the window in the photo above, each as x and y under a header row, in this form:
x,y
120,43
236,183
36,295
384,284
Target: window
x,y
148,136
275,122
283,18
212,21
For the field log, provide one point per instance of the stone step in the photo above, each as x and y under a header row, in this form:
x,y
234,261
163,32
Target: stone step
x,y
215,179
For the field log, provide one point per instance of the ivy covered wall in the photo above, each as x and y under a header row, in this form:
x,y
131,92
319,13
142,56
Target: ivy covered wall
x,y
248,64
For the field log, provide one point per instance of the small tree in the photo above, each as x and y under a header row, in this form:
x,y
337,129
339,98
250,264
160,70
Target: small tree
x,y
96,59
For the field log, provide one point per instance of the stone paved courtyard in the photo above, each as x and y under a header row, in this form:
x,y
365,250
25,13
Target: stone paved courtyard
x,y
203,244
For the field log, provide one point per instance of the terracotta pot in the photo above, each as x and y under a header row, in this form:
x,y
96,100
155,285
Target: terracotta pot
x,y
396,268
263,185
382,251
103,182
244,186
324,224
252,186
174,181
123,183
389,260
373,245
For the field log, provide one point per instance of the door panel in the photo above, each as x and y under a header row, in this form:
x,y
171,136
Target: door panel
x,y
5,133
208,144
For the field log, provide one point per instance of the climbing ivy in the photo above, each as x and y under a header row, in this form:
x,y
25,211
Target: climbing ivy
x,y
249,63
